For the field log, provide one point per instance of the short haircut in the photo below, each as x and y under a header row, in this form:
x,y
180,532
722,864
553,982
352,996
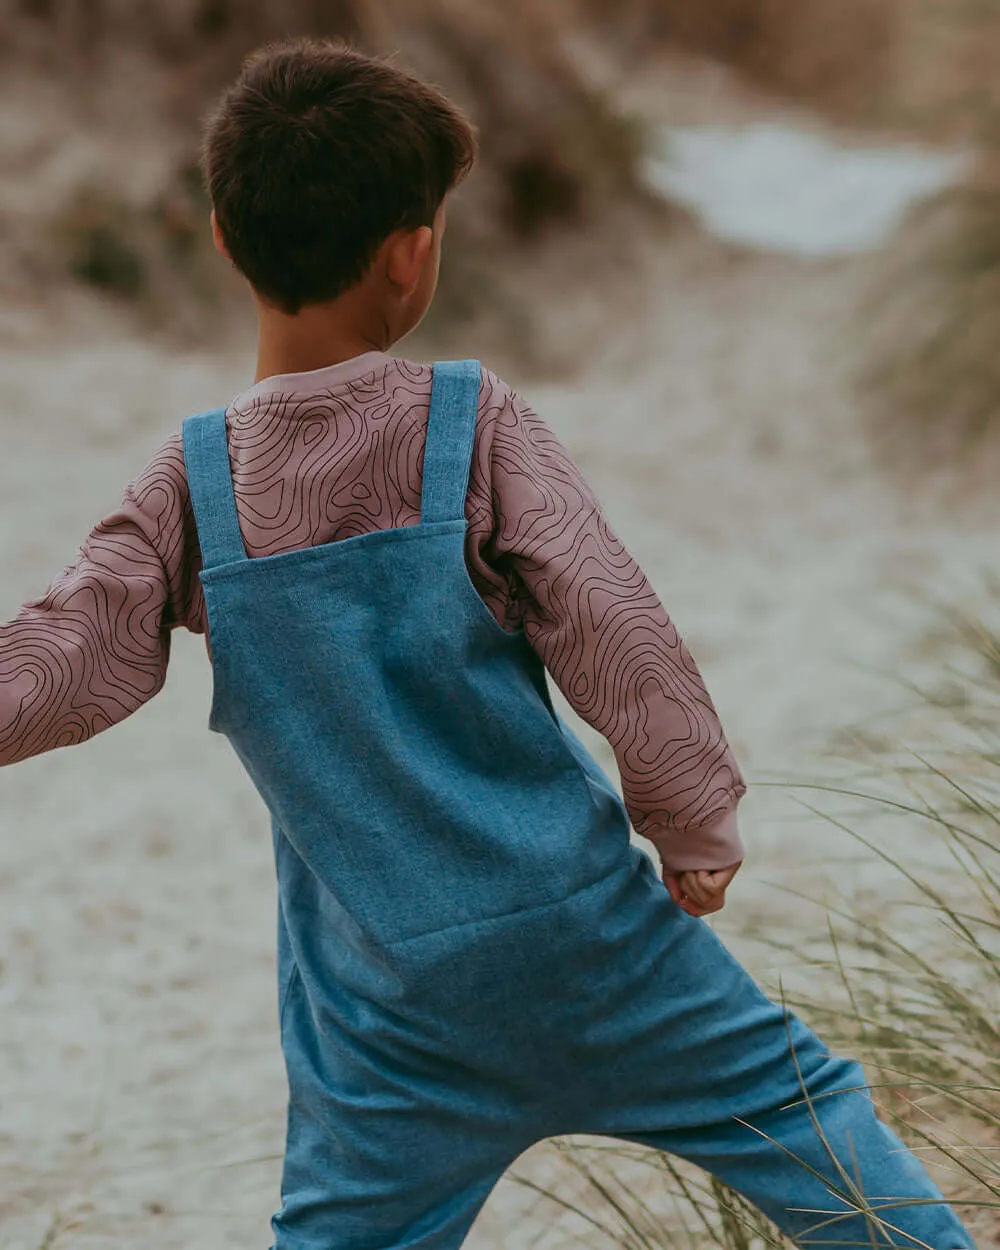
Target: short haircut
x,y
316,154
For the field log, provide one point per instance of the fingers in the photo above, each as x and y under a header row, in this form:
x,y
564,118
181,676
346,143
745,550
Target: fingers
x,y
701,893
704,885
697,909
679,893
701,887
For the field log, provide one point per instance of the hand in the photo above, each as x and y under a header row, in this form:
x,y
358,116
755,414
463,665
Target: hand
x,y
701,893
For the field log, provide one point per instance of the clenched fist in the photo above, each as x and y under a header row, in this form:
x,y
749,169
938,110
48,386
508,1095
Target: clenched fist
x,y
700,893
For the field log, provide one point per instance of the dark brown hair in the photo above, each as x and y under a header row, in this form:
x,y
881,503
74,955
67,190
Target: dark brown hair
x,y
316,154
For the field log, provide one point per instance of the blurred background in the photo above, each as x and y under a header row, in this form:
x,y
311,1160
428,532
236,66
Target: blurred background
x,y
744,258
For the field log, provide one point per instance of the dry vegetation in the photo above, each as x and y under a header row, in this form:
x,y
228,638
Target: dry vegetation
x,y
840,55
932,327
123,89
933,370
131,86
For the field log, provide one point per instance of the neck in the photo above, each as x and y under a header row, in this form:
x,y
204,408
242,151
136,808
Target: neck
x,y
318,336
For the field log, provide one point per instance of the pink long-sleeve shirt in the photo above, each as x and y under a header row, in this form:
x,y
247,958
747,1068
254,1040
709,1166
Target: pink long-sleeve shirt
x,y
334,452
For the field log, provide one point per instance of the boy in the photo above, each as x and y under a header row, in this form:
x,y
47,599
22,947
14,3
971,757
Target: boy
x,y
472,955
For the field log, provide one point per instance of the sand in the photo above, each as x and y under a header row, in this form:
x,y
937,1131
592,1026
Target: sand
x,y
789,189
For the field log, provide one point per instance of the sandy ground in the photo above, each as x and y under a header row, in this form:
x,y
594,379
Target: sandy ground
x,y
141,1087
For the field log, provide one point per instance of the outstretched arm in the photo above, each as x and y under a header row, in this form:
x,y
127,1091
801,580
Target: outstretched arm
x,y
94,647
590,613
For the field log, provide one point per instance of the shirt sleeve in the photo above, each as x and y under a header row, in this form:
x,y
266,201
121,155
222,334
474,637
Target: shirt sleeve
x,y
94,647
591,615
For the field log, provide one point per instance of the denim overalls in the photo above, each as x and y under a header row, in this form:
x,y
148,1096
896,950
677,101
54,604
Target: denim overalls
x,y
472,956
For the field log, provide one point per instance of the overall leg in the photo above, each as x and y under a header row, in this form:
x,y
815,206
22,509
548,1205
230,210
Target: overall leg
x,y
382,1154
817,1161
693,1047
378,1189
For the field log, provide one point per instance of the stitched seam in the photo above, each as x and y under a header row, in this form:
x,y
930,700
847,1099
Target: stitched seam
x,y
294,976
504,915
336,549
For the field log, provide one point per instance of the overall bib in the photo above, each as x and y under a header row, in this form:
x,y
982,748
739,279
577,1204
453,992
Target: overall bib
x,y
472,956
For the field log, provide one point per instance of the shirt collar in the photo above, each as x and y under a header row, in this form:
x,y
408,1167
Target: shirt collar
x,y
311,381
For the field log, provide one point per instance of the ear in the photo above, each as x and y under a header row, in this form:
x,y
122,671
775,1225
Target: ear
x,y
406,255
217,239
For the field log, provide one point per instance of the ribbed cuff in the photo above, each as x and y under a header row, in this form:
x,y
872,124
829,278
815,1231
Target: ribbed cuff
x,y
712,846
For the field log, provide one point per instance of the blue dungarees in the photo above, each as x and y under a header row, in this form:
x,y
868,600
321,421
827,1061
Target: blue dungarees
x,y
472,956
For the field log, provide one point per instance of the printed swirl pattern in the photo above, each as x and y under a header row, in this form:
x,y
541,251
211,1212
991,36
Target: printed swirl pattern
x,y
344,458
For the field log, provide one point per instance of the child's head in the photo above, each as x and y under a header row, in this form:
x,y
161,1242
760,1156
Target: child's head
x,y
328,171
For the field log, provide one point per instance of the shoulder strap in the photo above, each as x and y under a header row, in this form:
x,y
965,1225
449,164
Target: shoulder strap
x,y
210,483
451,430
